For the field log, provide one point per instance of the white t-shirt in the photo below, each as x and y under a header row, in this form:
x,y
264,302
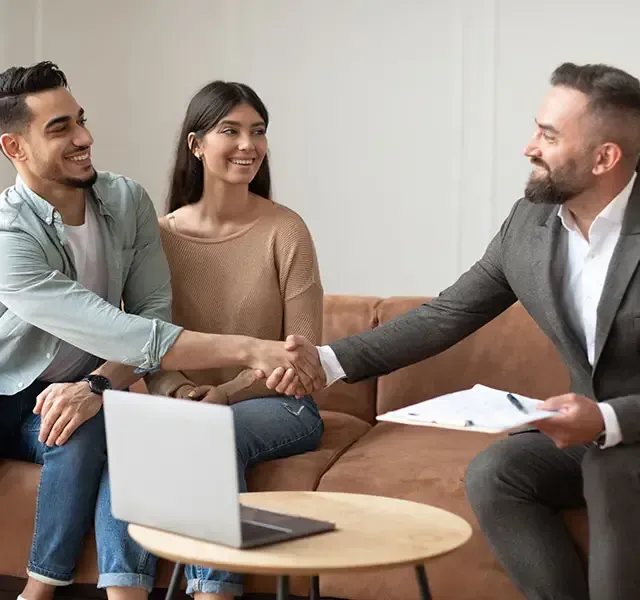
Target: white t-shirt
x,y
86,249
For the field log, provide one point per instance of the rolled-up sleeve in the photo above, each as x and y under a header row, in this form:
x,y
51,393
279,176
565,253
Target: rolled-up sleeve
x,y
47,299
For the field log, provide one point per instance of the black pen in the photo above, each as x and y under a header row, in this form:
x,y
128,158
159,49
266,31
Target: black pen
x,y
517,403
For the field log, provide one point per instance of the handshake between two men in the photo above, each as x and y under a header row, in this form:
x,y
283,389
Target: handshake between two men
x,y
292,368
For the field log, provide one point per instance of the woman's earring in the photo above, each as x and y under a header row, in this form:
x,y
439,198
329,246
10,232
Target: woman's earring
x,y
197,155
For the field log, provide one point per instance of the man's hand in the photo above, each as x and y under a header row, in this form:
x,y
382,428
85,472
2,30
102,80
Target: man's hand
x,y
269,357
304,359
63,407
579,420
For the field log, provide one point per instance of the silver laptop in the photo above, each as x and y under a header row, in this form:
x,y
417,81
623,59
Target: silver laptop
x,y
172,466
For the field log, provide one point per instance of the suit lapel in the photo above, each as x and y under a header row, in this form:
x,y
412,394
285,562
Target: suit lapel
x,y
623,265
549,269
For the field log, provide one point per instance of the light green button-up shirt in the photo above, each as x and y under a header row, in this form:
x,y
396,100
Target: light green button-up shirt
x,y
41,303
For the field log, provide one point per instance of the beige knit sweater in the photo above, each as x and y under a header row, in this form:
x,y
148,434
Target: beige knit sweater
x,y
262,281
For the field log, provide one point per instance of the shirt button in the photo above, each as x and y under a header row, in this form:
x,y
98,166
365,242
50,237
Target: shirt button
x,y
48,354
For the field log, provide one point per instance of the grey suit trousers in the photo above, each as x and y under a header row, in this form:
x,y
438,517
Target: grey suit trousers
x,y
518,488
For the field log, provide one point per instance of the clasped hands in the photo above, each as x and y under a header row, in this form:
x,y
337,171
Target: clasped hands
x,y
291,368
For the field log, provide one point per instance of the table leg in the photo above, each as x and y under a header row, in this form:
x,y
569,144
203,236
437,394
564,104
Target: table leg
x,y
423,583
314,590
283,587
175,580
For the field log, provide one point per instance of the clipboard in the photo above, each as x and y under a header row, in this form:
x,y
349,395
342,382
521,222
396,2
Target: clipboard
x,y
467,426
480,409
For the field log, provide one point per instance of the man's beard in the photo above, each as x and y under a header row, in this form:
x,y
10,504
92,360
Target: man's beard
x,y
80,183
52,172
556,187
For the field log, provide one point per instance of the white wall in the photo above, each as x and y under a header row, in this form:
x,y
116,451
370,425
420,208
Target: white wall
x,y
5,169
397,127
17,46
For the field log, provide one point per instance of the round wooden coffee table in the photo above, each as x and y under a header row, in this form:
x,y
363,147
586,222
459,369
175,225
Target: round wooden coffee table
x,y
372,532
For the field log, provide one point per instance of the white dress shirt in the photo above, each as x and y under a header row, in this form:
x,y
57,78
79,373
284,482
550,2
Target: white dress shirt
x,y
587,266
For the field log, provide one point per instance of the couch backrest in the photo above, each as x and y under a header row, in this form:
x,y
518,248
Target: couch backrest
x,y
346,315
509,353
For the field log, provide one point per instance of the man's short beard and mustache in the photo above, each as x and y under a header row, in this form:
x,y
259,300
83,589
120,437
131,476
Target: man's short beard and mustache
x,y
80,183
74,182
557,187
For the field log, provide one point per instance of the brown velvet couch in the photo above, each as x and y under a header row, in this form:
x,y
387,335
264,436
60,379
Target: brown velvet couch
x,y
357,455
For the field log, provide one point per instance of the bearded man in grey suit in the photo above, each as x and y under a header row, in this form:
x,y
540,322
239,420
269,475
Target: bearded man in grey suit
x,y
569,252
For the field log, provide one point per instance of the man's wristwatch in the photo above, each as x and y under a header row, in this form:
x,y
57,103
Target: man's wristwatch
x,y
98,383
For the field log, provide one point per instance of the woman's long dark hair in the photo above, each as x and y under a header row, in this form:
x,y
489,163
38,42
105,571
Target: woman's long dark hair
x,y
206,109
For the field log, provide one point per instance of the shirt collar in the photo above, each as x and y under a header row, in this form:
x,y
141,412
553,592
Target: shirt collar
x,y
40,206
612,212
44,209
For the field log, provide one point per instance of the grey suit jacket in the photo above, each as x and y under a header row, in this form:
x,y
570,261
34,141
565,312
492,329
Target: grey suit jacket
x,y
525,261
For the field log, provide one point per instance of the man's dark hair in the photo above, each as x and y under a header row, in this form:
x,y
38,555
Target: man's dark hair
x,y
614,101
16,83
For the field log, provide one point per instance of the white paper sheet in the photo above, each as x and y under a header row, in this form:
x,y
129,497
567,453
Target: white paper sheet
x,y
480,408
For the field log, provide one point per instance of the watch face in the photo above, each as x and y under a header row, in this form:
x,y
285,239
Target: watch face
x,y
98,384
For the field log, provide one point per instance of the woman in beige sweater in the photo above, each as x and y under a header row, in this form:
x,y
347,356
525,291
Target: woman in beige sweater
x,y
240,263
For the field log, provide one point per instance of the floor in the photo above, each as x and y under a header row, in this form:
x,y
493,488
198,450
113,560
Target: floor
x,y
10,595
10,587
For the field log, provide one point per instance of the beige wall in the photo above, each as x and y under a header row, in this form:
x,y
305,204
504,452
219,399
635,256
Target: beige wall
x,y
397,127
18,26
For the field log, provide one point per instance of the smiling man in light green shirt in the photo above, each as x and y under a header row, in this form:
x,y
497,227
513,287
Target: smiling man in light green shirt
x,y
85,305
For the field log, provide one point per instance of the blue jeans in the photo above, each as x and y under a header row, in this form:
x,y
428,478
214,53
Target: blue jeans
x,y
265,428
73,492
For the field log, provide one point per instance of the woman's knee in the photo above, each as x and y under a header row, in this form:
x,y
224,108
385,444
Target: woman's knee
x,y
312,425
280,427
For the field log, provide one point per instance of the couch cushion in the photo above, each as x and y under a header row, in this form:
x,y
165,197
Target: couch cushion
x,y
510,352
303,472
346,315
18,487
